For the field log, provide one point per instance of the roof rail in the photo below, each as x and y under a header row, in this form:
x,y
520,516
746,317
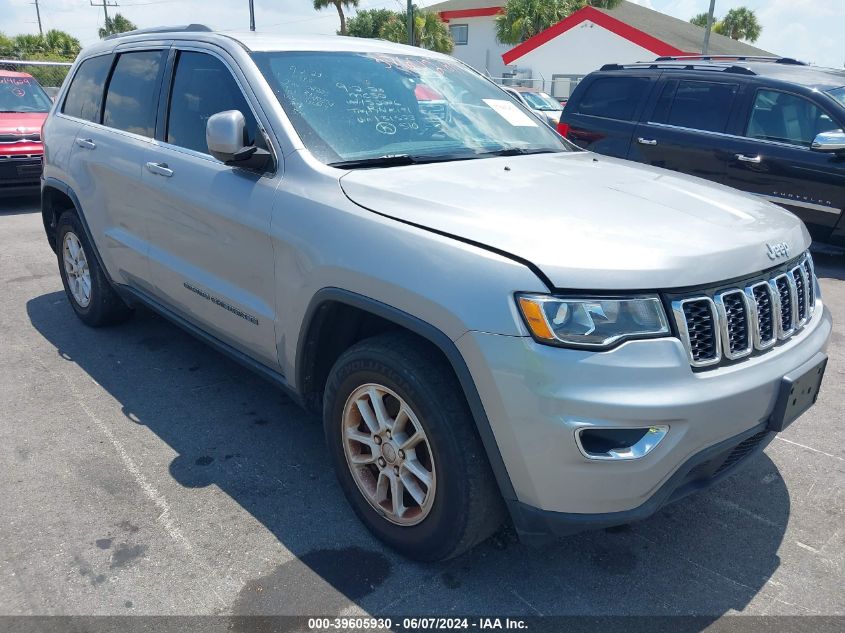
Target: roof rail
x,y
187,28
738,70
739,58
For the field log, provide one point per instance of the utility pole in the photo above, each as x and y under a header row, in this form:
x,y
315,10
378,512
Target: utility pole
x,y
38,13
251,16
410,23
706,47
106,4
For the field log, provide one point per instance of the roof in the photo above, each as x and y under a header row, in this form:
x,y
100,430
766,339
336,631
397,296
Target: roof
x,y
812,76
15,74
464,5
258,42
678,33
654,31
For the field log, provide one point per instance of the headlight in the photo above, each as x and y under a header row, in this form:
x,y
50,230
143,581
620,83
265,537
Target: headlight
x,y
592,323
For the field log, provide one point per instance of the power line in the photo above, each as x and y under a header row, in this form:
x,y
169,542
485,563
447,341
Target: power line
x,y
106,4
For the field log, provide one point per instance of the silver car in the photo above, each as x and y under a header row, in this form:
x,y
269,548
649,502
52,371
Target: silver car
x,y
494,325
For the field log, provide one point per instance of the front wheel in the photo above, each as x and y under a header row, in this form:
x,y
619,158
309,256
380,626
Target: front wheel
x,y
90,294
405,449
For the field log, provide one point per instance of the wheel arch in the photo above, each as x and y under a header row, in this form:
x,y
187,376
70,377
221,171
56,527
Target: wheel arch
x,y
56,198
318,348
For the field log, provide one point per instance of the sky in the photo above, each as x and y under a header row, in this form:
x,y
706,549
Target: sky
x,y
810,30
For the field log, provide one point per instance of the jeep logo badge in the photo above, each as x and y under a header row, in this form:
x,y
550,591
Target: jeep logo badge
x,y
777,250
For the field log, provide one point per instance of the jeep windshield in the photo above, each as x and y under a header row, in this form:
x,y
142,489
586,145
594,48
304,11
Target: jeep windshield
x,y
22,94
354,109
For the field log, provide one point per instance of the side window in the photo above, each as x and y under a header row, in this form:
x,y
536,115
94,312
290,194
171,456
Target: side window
x,y
203,86
459,33
664,102
85,94
702,105
779,116
132,96
614,97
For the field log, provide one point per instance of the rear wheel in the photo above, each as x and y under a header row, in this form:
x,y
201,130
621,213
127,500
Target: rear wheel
x,y
90,294
405,449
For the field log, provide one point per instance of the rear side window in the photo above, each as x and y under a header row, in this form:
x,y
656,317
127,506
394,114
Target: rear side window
x,y
132,95
85,94
701,105
779,116
203,86
613,97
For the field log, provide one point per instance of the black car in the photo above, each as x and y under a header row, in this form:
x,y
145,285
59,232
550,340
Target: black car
x,y
769,126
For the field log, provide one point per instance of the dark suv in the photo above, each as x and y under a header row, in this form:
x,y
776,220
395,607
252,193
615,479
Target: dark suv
x,y
772,127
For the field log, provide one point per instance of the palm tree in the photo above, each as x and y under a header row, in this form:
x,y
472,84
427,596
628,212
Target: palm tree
x,y
53,45
701,20
741,24
522,19
61,43
117,24
338,4
430,32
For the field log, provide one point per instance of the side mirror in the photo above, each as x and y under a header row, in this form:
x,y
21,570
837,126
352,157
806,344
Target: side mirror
x,y
225,134
829,142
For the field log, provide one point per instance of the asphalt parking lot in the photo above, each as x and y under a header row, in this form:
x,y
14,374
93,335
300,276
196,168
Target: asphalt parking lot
x,y
144,473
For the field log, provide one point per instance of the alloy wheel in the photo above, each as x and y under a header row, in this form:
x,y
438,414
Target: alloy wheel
x,y
388,454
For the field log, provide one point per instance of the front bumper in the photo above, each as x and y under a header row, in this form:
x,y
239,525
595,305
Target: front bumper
x,y
536,397
19,173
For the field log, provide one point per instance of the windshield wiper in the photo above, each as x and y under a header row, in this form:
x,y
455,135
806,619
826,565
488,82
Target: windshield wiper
x,y
519,151
397,160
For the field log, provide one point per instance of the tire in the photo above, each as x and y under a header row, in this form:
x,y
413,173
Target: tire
x,y
464,506
103,306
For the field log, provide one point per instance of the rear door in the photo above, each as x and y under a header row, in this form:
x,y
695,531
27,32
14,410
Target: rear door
x,y
211,255
604,110
773,158
107,157
686,126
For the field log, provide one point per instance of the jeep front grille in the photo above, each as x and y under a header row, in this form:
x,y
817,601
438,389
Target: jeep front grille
x,y
729,324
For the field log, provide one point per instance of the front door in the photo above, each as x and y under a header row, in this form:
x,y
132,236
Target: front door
x,y
108,154
774,159
685,130
210,251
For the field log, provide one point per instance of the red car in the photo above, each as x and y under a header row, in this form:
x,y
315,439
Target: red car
x,y
23,108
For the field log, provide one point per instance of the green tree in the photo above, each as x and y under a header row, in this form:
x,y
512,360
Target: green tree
x,y
741,24
338,4
430,32
116,24
368,23
701,20
53,45
522,19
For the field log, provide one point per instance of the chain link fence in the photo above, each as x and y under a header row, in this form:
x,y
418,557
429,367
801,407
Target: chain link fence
x,y
49,74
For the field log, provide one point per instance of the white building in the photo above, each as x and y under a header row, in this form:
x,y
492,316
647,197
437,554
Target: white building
x,y
557,58
473,28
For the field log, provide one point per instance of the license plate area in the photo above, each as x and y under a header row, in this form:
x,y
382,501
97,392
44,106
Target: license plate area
x,y
799,390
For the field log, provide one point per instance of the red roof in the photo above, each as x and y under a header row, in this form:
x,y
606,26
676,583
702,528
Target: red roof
x,y
470,13
12,73
634,35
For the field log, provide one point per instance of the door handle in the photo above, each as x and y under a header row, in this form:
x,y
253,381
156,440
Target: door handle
x,y
749,159
160,169
86,143
646,141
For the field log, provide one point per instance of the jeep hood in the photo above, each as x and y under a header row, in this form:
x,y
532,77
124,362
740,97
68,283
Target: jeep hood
x,y
587,221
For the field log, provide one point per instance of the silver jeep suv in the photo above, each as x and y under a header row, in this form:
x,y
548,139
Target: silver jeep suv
x,y
494,324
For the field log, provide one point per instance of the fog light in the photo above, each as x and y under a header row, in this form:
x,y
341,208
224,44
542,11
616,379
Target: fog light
x,y
627,443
